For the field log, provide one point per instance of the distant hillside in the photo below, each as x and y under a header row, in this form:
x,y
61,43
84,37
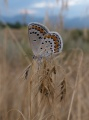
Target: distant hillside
x,y
20,18
77,23
69,23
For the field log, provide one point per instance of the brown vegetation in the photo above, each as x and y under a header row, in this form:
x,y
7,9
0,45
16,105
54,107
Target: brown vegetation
x,y
56,90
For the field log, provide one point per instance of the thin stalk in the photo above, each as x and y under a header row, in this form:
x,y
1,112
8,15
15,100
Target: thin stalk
x,y
76,85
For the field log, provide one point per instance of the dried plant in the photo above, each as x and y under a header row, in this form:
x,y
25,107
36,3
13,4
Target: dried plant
x,y
44,87
53,90
44,90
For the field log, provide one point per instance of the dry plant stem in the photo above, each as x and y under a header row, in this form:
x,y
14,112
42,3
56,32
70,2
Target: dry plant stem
x,y
19,46
4,59
17,111
79,102
76,85
16,40
0,77
54,110
30,85
6,3
47,115
21,75
42,112
30,101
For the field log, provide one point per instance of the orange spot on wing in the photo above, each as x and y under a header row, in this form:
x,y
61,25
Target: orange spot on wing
x,y
49,36
54,37
56,42
38,29
42,31
33,26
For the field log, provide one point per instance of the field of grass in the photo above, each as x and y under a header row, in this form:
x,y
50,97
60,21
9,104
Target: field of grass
x,y
60,94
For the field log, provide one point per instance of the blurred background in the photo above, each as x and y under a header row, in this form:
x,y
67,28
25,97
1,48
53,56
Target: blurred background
x,y
68,17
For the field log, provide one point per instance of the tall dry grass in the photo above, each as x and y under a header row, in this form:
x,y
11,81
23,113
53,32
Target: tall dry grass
x,y
57,89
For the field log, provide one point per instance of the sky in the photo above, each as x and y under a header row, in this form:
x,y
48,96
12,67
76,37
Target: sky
x,y
77,8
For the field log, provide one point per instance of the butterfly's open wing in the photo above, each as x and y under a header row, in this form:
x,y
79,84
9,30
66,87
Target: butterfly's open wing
x,y
51,44
36,32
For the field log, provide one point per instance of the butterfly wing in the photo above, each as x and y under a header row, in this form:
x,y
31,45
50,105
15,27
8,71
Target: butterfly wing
x,y
36,32
51,44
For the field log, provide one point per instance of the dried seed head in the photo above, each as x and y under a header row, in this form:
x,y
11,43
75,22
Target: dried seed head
x,y
63,90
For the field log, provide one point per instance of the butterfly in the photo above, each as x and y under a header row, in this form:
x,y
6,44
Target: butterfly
x,y
43,42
